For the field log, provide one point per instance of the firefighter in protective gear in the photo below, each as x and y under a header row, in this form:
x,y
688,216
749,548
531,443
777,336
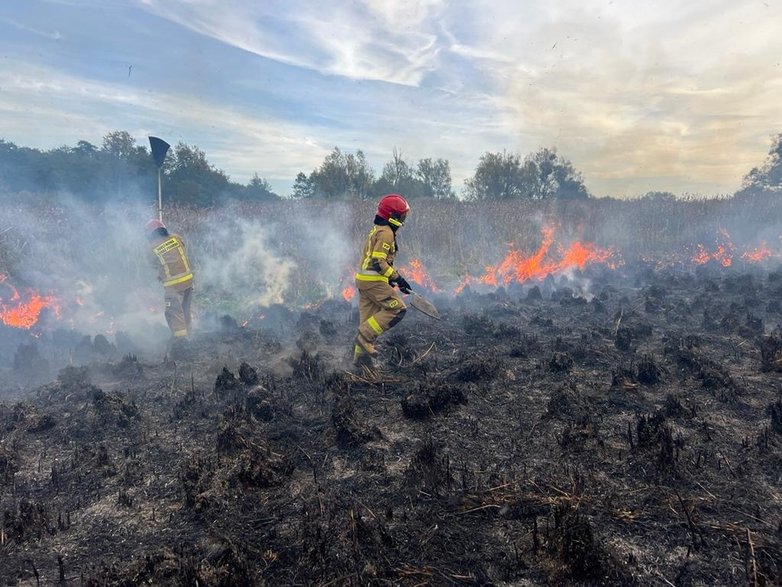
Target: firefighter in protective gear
x,y
380,306
176,275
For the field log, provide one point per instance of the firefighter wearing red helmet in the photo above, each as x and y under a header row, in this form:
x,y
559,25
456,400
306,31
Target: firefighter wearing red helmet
x,y
380,306
176,275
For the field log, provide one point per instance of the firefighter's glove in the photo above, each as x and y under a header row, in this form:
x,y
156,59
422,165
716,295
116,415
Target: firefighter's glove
x,y
402,284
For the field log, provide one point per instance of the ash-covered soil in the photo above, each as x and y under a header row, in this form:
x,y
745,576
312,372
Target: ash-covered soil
x,y
534,436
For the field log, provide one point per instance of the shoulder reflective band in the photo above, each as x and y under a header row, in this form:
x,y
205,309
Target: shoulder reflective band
x,y
379,255
166,246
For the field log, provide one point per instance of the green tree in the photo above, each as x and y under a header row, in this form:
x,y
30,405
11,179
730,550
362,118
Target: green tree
x,y
22,169
542,175
260,189
436,178
342,175
398,177
547,175
75,170
397,172
119,170
119,144
769,176
191,178
86,149
497,177
303,187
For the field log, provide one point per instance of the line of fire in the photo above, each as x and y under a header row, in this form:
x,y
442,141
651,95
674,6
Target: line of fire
x,y
24,309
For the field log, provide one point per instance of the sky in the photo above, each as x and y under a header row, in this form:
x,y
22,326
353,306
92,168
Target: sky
x,y
638,95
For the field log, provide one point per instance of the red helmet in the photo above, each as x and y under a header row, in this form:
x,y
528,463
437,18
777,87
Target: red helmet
x,y
153,225
394,208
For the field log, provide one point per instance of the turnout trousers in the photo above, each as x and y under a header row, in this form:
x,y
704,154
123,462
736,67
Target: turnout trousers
x,y
380,307
178,310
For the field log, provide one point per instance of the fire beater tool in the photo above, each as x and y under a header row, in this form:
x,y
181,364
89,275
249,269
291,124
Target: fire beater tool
x,y
423,305
159,149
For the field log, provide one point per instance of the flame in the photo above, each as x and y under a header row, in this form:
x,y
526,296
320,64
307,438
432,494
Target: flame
x,y
723,253
758,254
349,293
25,313
701,257
416,272
518,268
253,319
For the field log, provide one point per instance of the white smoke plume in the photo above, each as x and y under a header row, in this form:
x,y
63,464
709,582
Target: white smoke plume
x,y
239,262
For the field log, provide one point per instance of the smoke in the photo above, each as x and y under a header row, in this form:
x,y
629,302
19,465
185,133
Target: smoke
x,y
334,251
239,264
96,263
91,260
247,258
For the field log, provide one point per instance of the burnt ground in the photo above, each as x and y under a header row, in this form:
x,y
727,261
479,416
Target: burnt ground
x,y
531,437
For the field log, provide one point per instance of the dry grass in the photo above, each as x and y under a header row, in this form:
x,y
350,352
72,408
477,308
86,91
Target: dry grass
x,y
452,238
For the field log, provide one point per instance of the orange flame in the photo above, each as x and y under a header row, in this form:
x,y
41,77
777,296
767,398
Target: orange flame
x,y
25,314
258,317
416,272
518,268
349,293
701,257
723,254
758,254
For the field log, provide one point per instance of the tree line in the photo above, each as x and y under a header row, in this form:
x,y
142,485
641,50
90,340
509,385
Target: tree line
x,y
120,167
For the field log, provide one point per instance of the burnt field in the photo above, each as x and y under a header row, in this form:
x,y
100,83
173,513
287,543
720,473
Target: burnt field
x,y
532,436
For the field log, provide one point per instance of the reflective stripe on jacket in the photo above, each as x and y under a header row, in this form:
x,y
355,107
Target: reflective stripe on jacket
x,y
173,266
377,256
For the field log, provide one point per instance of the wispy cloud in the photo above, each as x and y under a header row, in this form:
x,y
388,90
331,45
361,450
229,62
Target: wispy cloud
x,y
678,96
639,96
357,40
54,35
36,101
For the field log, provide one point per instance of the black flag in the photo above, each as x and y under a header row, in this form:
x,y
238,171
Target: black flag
x,y
159,150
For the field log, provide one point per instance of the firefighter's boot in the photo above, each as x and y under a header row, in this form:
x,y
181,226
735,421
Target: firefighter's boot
x,y
366,344
361,359
180,349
